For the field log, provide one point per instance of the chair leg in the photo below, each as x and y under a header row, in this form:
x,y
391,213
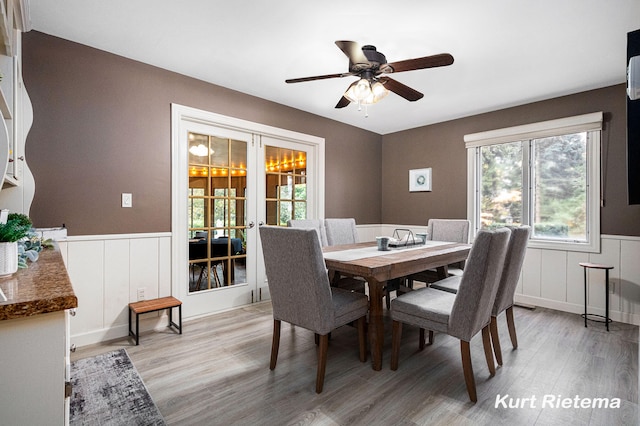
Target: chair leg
x,y
421,343
511,325
468,370
396,336
322,362
362,338
488,353
275,344
495,339
388,299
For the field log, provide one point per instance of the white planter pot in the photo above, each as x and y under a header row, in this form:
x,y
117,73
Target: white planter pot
x,y
8,258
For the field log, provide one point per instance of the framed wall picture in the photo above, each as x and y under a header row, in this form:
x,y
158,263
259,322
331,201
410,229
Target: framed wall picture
x,y
420,180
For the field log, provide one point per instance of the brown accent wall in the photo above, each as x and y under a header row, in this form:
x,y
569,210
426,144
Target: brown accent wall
x,y
441,146
102,127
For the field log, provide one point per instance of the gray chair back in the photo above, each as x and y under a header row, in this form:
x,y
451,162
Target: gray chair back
x,y
341,231
512,267
317,224
453,230
471,310
297,278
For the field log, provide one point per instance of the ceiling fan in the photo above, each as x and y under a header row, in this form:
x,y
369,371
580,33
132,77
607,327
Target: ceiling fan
x,y
370,65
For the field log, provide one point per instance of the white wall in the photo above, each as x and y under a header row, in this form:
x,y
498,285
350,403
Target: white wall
x,y
553,279
106,272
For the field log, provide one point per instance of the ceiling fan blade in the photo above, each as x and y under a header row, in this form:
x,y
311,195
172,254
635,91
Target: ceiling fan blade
x,y
353,51
400,89
441,60
318,77
343,102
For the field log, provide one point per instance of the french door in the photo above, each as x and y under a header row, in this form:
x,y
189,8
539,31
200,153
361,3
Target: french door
x,y
230,177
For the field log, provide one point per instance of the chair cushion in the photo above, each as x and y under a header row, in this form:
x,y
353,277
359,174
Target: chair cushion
x,y
348,306
425,308
449,284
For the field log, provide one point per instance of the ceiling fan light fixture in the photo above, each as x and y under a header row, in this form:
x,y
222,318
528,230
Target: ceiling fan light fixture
x,y
359,91
378,92
364,93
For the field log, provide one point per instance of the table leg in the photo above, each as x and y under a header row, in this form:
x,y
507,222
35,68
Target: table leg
x,y
376,324
443,272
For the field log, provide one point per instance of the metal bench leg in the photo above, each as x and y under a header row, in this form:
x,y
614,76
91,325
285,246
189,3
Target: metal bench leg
x,y
137,329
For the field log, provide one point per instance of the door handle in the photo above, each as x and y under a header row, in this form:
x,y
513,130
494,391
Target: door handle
x,y
260,223
251,225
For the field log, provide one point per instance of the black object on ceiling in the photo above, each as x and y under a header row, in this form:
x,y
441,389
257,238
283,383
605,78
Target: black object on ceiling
x,y
371,66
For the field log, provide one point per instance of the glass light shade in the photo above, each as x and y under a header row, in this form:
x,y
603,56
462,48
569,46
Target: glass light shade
x,y
362,92
378,91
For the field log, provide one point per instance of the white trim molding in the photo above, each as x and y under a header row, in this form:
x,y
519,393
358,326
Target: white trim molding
x,y
578,123
589,123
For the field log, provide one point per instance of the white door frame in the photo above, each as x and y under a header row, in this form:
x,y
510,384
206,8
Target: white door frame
x,y
181,117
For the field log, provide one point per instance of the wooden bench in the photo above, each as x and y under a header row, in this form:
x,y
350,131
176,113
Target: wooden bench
x,y
153,305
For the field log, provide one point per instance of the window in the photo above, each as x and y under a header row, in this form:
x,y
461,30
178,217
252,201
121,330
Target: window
x,y
286,179
546,175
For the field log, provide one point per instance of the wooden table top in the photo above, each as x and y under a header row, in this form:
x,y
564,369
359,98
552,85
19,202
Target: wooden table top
x,y
397,262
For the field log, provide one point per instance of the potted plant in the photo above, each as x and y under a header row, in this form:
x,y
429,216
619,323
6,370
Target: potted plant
x,y
16,228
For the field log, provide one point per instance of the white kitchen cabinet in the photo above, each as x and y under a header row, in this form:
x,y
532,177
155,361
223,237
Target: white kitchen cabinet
x,y
15,109
34,343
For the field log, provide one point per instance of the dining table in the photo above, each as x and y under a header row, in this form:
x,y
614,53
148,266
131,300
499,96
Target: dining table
x,y
377,267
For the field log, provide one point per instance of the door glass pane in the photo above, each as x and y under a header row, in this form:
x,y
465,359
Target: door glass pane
x,y
286,189
501,185
216,215
559,182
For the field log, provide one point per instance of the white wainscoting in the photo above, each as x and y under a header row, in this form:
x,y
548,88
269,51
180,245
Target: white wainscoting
x,y
553,279
107,270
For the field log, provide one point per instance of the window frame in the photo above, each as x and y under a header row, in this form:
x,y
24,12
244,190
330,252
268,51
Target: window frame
x,y
589,123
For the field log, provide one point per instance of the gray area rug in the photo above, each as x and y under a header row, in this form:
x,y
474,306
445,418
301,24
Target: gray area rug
x,y
107,390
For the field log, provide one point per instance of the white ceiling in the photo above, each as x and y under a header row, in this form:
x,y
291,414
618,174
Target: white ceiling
x,y
506,52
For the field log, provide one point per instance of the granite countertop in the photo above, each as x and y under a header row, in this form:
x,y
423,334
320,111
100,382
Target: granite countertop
x,y
41,288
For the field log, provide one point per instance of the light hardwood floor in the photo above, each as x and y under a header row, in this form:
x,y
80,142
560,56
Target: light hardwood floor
x,y
217,373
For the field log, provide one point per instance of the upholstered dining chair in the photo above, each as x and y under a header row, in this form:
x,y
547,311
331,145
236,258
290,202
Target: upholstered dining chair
x,y
343,231
317,224
509,280
460,315
451,230
301,295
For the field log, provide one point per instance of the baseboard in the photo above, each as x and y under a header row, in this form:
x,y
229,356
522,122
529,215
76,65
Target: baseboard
x,y
624,317
119,331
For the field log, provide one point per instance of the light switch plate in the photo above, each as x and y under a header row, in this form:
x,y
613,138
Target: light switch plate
x,y
127,200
